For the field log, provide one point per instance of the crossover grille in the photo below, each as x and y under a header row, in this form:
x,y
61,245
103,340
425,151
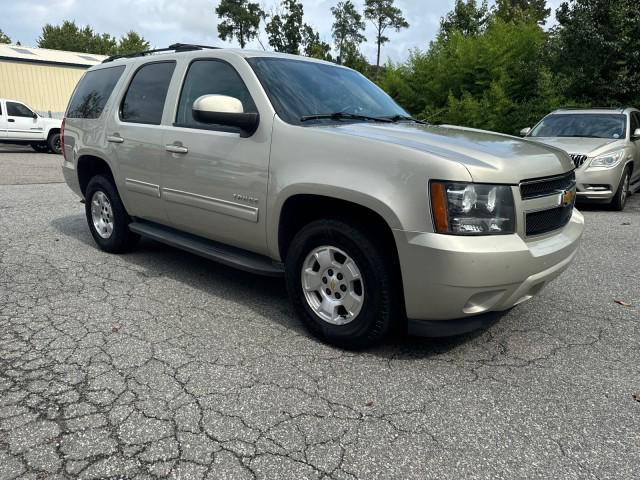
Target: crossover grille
x,y
578,159
546,221
544,187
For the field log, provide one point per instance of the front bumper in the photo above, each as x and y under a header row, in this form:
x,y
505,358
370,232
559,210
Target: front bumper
x,y
448,277
598,185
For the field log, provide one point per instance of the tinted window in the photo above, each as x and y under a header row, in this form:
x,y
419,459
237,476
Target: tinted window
x,y
635,121
147,92
300,88
93,91
18,110
210,77
587,125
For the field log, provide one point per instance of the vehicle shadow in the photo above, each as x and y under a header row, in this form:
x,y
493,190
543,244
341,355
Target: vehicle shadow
x,y
263,295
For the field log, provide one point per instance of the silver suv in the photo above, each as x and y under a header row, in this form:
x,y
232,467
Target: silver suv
x,y
604,144
282,165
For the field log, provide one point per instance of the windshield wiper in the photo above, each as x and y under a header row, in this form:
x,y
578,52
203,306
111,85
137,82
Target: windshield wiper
x,y
344,116
398,118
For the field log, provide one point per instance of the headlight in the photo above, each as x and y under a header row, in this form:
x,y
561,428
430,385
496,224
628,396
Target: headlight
x,y
608,160
472,209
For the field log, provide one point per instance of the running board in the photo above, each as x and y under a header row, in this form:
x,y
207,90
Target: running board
x,y
218,252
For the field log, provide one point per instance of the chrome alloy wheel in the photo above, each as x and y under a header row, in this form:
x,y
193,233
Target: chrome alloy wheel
x,y
332,285
626,187
102,214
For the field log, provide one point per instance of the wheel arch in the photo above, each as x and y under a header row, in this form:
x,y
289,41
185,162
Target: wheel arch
x,y
89,166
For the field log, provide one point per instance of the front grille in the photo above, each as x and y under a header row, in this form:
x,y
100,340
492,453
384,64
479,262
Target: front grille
x,y
545,221
578,159
549,186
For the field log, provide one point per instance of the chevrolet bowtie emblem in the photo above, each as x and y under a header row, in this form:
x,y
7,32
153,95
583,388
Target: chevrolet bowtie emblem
x,y
568,196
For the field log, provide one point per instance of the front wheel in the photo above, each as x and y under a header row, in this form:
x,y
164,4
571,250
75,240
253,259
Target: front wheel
x,y
107,218
342,284
622,194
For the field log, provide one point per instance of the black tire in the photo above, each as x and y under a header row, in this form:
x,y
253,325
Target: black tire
x,y
381,293
40,147
121,239
622,194
55,143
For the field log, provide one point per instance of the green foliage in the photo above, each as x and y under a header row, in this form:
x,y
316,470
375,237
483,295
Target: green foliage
x,y
383,15
71,37
596,50
467,17
241,20
522,11
4,38
314,47
131,42
285,29
347,31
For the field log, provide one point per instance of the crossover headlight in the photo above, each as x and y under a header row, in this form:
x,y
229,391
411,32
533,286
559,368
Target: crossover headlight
x,y
607,160
472,209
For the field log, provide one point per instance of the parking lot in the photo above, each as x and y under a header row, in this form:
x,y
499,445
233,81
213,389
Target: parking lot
x,y
159,363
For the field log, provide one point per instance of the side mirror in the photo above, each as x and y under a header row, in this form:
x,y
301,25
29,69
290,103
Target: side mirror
x,y
34,115
636,134
224,110
525,131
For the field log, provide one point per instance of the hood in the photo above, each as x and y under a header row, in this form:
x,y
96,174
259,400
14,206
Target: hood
x,y
489,157
580,145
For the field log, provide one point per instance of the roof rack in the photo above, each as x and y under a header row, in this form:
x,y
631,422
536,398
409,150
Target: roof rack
x,y
582,107
176,47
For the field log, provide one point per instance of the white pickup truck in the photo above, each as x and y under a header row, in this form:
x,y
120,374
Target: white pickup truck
x,y
19,124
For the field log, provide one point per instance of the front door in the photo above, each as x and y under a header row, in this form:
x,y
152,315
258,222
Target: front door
x,y
215,181
22,123
635,124
135,136
3,121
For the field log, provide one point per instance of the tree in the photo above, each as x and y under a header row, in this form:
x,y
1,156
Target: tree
x,y
241,20
313,46
69,36
596,50
467,17
285,29
522,10
131,42
347,28
383,15
4,38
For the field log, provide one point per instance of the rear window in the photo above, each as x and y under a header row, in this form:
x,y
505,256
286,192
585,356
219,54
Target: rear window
x,y
144,100
93,91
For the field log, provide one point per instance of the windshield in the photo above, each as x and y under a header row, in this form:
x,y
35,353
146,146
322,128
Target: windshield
x,y
299,89
590,125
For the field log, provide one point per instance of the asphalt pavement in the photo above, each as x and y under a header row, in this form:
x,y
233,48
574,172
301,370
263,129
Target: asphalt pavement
x,y
161,364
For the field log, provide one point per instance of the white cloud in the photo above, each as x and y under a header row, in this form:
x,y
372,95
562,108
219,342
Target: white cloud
x,y
163,22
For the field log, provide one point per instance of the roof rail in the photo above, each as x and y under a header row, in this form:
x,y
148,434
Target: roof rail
x,y
176,47
582,107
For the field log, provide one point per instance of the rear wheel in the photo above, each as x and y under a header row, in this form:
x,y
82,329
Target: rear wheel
x,y
55,143
624,190
40,147
107,217
341,283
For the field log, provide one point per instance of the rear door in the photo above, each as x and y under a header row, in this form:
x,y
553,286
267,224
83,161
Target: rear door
x,y
3,121
22,123
136,133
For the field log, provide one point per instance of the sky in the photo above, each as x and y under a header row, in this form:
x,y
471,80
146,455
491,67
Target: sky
x,y
163,22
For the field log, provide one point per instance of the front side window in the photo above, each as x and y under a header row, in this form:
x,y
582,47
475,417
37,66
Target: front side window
x,y
144,100
93,92
584,125
18,110
299,89
635,122
210,77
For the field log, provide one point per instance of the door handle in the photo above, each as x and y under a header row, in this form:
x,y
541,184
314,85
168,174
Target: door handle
x,y
114,139
11,120
176,149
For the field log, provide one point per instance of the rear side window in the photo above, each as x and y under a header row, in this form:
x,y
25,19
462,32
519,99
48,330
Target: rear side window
x,y
93,91
144,100
18,110
209,77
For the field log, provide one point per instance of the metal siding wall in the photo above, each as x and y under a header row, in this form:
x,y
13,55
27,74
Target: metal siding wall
x,y
43,87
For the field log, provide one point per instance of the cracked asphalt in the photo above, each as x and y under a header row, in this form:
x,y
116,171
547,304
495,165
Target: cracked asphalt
x,y
160,364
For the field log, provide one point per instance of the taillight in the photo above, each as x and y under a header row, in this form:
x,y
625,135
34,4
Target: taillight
x,y
62,138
